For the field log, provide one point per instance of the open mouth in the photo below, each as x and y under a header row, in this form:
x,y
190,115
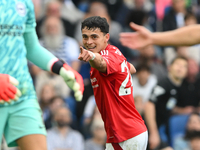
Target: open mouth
x,y
91,48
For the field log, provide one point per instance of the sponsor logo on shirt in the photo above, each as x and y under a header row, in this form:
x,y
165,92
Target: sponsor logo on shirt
x,y
95,86
41,127
21,9
93,80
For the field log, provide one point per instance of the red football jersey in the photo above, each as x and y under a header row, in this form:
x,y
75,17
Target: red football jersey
x,y
113,93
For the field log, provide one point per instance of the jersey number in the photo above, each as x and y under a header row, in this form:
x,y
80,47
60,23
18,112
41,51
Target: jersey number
x,y
123,90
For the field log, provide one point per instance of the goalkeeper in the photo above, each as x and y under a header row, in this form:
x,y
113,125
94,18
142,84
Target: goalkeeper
x,y
20,115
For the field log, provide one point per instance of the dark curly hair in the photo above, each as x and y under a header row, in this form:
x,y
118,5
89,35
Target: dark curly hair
x,y
95,22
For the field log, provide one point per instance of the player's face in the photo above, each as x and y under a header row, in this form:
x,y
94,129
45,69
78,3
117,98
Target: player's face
x,y
94,40
179,69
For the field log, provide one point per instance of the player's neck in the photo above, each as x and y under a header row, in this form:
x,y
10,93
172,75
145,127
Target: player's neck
x,y
105,46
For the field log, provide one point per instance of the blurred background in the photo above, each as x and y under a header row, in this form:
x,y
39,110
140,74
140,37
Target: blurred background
x,y
75,125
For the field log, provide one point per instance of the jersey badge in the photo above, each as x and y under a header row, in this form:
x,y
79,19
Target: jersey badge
x,y
118,52
21,8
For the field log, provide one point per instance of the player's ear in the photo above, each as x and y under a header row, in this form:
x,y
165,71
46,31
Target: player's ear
x,y
107,36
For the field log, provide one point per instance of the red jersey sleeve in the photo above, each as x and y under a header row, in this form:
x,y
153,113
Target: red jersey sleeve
x,y
113,58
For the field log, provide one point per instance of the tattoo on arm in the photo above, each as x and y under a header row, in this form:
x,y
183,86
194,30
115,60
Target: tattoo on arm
x,y
101,63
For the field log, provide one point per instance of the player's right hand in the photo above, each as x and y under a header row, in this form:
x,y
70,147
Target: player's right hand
x,y
8,89
86,55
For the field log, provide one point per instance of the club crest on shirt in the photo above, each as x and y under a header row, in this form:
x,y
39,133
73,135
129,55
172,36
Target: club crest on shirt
x,y
118,52
21,8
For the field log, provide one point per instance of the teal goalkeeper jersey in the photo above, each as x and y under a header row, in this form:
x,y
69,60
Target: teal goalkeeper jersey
x,y
17,17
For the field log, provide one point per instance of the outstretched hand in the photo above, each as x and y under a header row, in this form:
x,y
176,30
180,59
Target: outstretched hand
x,y
85,55
138,39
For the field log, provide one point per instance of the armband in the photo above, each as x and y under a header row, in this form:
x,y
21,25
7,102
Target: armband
x,y
93,57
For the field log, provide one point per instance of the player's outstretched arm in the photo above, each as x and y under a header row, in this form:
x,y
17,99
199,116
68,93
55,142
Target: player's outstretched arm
x,y
184,36
8,89
96,61
47,61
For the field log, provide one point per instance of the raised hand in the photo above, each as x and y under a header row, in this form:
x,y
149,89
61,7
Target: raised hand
x,y
138,39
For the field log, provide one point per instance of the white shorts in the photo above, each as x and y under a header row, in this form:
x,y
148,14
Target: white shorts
x,y
138,142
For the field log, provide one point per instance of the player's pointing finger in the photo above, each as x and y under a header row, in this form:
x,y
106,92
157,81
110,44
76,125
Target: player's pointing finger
x,y
81,49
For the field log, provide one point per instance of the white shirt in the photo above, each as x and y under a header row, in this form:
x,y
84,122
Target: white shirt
x,y
143,91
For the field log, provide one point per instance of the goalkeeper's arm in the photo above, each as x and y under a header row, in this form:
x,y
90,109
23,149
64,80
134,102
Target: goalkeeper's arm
x,y
47,61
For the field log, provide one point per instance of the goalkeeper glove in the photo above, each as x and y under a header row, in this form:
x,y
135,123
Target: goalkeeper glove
x,y
8,91
71,77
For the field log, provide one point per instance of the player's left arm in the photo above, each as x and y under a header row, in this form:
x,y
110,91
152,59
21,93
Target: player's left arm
x,y
44,59
47,61
96,60
36,53
132,69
